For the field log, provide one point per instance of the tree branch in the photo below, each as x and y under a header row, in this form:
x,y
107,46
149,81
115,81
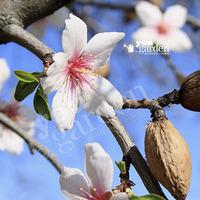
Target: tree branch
x,y
31,142
155,104
17,34
130,150
25,12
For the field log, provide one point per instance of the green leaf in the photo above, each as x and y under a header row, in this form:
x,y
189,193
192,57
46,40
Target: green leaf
x,y
24,89
41,104
25,76
147,197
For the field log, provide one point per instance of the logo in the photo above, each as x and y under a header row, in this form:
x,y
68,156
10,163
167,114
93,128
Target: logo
x,y
146,47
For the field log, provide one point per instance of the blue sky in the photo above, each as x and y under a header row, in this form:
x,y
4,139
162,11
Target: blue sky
x,y
32,177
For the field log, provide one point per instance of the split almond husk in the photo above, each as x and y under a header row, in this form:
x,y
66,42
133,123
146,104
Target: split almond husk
x,y
168,157
189,94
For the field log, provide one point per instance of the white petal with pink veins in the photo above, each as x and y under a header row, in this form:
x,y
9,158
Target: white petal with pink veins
x,y
4,72
145,34
179,41
103,87
149,14
99,167
53,82
74,36
99,48
175,16
120,196
73,183
95,103
64,106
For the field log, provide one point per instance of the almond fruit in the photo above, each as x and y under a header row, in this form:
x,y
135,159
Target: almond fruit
x,y
168,157
189,94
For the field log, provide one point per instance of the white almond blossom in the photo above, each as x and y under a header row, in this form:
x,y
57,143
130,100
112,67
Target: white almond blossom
x,y
97,183
163,29
73,75
9,140
4,72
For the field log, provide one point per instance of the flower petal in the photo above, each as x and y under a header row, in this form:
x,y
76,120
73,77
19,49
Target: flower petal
x,y
103,87
52,83
177,40
9,141
74,37
55,73
144,34
100,47
94,102
149,14
64,106
72,182
4,72
175,16
120,196
99,167
60,62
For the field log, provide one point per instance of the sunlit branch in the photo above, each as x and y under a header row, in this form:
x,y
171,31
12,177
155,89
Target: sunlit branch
x,y
17,34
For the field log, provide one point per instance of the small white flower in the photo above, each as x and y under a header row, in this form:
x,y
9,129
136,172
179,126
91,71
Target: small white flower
x,y
9,140
163,29
73,75
96,185
4,72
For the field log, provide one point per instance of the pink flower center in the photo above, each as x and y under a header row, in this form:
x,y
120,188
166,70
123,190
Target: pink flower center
x,y
162,28
94,195
77,70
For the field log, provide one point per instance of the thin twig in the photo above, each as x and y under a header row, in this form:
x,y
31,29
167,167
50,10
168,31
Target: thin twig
x,y
32,143
155,104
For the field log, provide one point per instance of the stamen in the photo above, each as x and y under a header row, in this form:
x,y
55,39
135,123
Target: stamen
x,y
95,194
79,69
